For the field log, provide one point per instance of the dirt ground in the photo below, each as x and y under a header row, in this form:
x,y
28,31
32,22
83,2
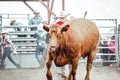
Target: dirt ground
x,y
97,73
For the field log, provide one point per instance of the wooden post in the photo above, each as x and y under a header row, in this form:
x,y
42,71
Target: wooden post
x,y
29,6
48,4
46,7
49,17
63,5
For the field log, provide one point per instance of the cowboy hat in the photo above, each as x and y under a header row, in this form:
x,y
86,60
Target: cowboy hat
x,y
4,32
36,12
12,22
63,14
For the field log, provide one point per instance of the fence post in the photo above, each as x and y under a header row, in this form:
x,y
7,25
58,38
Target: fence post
x,y
0,23
119,44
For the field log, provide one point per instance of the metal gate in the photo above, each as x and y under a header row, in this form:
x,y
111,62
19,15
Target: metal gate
x,y
108,29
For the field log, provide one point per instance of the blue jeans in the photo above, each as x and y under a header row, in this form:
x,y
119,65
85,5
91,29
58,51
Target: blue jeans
x,y
7,53
39,51
34,29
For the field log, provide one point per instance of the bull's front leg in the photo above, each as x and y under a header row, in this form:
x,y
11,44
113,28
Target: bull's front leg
x,y
49,64
73,68
70,74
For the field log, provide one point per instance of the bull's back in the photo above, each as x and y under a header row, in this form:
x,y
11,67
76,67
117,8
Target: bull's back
x,y
84,32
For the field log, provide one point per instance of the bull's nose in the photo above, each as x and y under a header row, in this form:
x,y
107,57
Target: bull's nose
x,y
52,48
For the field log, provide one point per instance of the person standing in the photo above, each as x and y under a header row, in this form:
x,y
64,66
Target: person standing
x,y
40,36
112,49
8,49
105,50
61,19
35,21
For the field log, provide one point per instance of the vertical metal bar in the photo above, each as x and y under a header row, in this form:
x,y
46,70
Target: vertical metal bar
x,y
0,37
48,4
117,41
119,44
63,5
52,3
0,20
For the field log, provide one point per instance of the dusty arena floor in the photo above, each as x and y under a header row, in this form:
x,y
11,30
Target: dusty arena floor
x,y
97,73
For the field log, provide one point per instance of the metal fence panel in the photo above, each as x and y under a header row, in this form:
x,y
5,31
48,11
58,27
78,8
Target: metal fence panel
x,y
107,27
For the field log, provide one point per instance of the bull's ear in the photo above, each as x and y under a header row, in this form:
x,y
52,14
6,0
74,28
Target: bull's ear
x,y
46,28
65,28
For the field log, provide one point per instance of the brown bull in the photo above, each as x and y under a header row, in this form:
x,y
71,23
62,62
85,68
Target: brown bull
x,y
74,39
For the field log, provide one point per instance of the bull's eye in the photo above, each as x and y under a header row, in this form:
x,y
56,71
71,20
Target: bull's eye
x,y
58,35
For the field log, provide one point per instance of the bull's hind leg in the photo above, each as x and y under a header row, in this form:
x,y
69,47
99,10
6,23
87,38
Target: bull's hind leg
x,y
90,59
49,64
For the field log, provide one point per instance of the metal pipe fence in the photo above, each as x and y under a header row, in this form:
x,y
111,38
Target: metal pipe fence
x,y
27,45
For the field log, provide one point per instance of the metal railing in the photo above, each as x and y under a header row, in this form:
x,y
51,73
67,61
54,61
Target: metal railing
x,y
106,31
26,45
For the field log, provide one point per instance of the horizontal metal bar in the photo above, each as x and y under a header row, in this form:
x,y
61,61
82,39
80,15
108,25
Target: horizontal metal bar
x,y
24,39
25,49
18,26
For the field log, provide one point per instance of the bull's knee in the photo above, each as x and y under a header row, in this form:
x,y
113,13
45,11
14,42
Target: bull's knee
x,y
48,75
73,73
48,64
